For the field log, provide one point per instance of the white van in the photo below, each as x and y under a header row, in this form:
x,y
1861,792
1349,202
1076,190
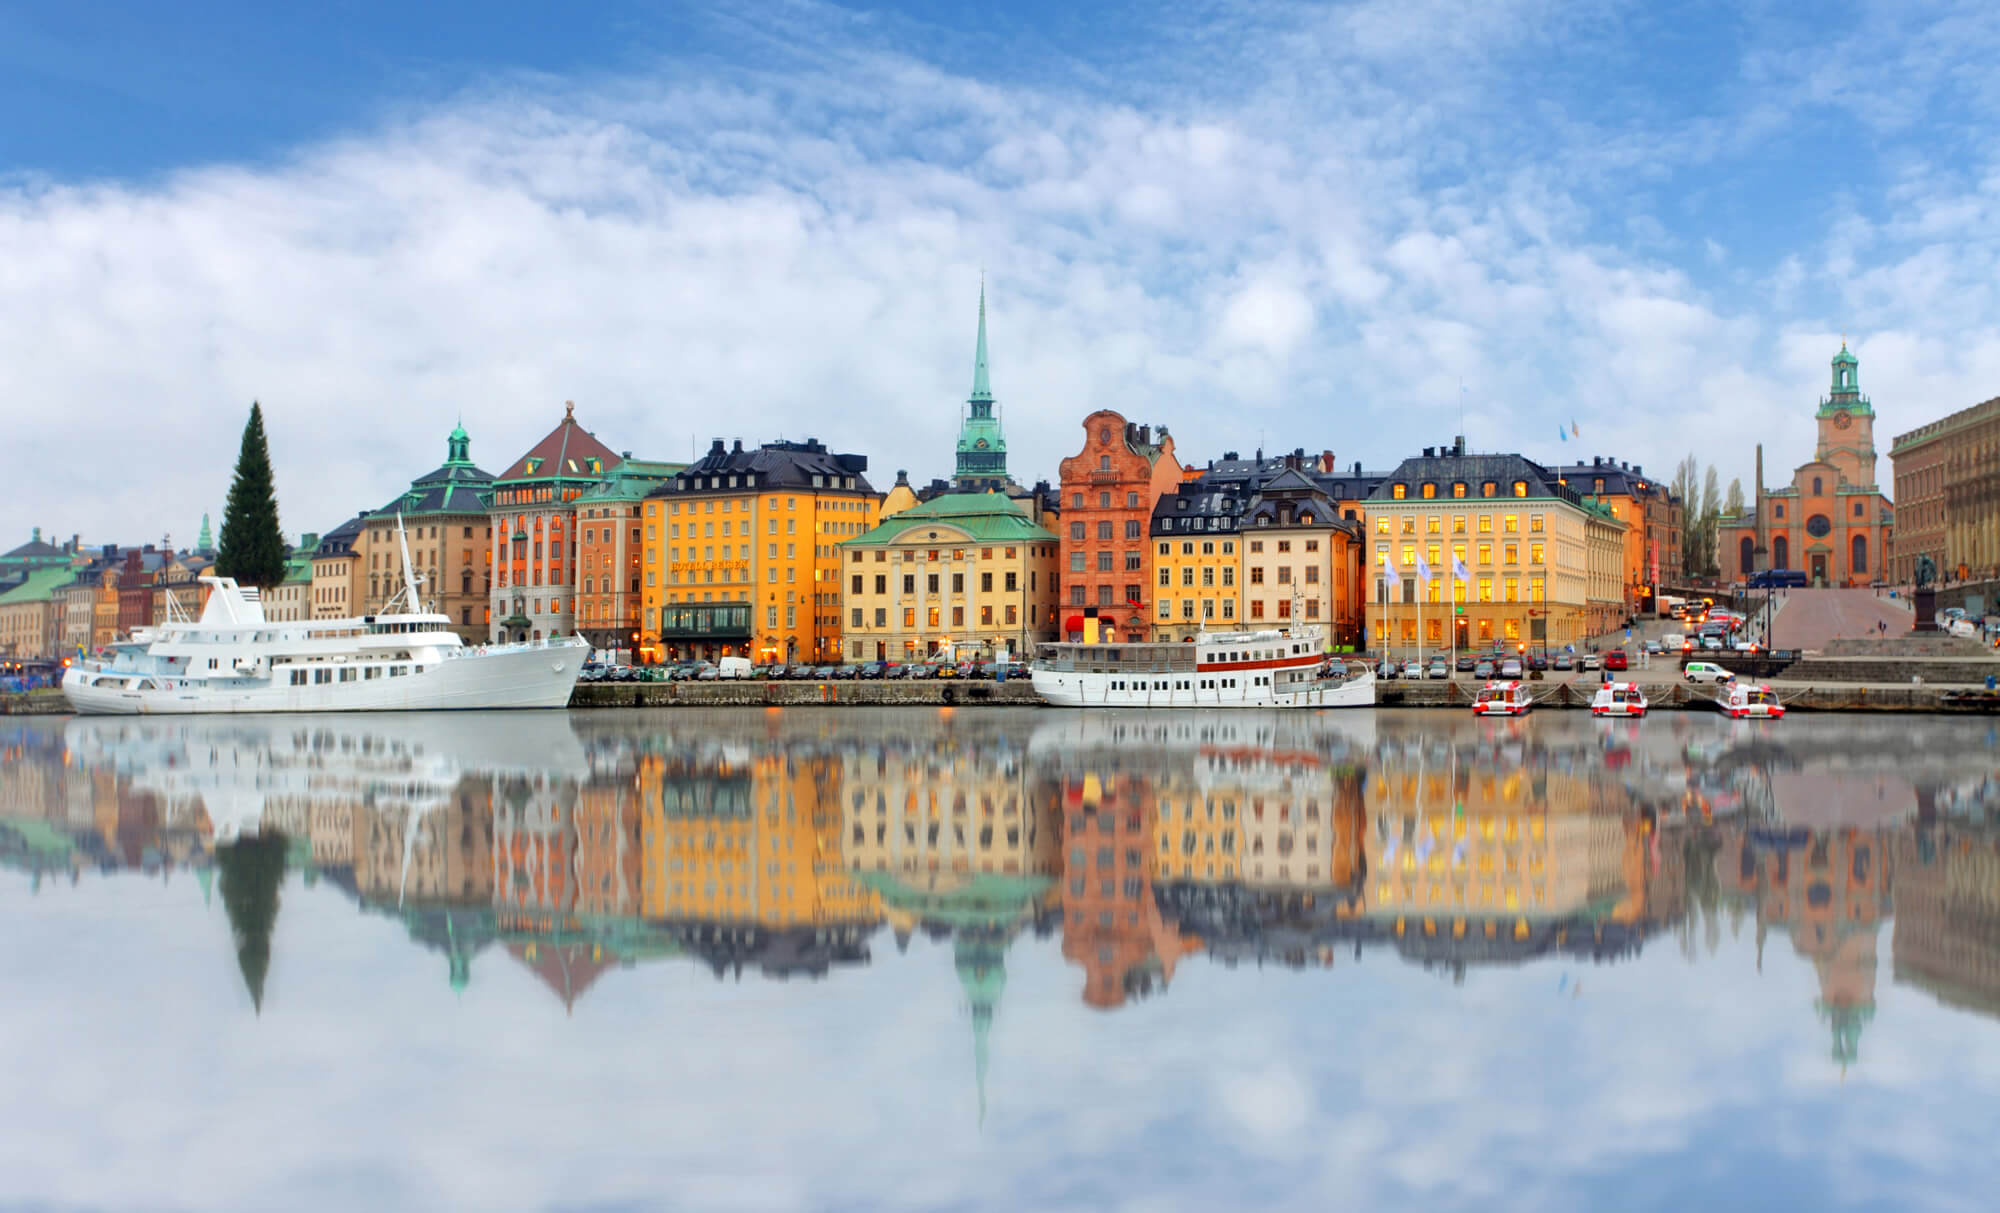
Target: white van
x,y
732,667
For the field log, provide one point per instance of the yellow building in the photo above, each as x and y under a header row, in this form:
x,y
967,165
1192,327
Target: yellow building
x,y
961,573
742,555
1198,586
1541,565
339,575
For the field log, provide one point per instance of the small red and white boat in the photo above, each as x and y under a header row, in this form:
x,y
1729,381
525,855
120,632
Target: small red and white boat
x,y
1752,702
1509,698
1619,699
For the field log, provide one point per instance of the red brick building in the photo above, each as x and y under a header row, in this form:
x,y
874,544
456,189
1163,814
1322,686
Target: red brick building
x,y
1111,924
1109,489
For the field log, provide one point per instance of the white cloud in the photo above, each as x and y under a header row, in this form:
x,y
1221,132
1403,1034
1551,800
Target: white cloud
x,y
1309,222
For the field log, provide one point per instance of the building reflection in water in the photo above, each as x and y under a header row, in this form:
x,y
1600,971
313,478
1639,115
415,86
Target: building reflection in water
x,y
778,844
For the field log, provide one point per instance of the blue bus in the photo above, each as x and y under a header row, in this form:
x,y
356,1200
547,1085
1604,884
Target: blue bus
x,y
1778,579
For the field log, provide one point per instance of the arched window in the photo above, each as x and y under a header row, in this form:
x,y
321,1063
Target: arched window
x,y
1746,555
1859,564
1781,553
1817,490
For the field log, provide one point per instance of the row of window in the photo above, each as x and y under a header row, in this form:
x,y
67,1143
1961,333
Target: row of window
x,y
1009,583
1434,524
1429,489
350,673
1480,590
1134,529
1008,615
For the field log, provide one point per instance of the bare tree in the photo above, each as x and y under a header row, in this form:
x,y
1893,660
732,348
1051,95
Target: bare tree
x,y
1733,504
1711,513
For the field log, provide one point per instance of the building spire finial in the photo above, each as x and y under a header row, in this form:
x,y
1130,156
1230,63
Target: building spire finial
x,y
982,392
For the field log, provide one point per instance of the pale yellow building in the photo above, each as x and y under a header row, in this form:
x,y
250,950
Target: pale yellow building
x,y
1541,565
963,573
935,807
338,577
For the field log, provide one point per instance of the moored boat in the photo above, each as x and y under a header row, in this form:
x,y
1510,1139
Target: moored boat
x,y
1619,699
233,659
1508,698
1752,702
1267,669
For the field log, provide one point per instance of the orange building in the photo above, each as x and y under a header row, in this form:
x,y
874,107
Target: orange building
x,y
1109,489
608,597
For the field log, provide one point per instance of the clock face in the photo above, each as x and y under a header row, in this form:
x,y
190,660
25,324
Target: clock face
x,y
1841,421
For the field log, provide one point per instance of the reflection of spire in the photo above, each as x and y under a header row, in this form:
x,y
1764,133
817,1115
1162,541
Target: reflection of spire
x,y
981,959
1846,1020
461,960
205,875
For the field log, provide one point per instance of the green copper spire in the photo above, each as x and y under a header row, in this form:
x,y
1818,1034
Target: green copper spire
x,y
206,543
982,393
458,445
982,450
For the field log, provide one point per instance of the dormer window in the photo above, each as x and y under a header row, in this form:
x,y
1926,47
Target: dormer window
x,y
1430,490
1399,491
1520,488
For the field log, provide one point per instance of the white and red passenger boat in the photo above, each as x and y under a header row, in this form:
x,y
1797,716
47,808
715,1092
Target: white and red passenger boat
x,y
1508,698
1270,669
1752,703
1619,699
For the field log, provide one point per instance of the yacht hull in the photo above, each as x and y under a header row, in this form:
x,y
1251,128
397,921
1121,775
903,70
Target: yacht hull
x,y
535,677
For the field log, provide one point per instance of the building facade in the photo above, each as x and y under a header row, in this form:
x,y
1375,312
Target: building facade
x,y
1831,521
1301,560
770,590
338,571
962,575
450,532
1109,491
1652,516
1947,478
290,601
533,515
1541,567
609,599
30,625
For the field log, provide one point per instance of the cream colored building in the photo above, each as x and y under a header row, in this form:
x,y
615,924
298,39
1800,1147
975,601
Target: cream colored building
x,y
964,572
338,584
29,624
1542,565
931,808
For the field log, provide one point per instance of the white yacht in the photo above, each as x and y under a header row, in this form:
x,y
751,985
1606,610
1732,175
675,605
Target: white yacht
x,y
1268,669
232,659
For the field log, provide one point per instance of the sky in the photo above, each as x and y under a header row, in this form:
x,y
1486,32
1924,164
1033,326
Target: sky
x,y
1361,228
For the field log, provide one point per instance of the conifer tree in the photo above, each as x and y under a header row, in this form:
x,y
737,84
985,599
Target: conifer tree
x,y
253,548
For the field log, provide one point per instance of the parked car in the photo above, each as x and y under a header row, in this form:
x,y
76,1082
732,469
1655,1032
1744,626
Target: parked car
x,y
733,667
1386,668
1711,642
1538,661
1562,661
1465,663
1482,669
1705,671
1589,661
707,673
1438,669
1616,660
591,672
1653,647
1412,670
1743,645
922,671
1510,668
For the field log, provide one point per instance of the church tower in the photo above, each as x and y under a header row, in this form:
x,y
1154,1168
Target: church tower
x,y
1847,424
982,450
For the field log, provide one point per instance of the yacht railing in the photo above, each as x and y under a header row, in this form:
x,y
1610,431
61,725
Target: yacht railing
x,y
522,646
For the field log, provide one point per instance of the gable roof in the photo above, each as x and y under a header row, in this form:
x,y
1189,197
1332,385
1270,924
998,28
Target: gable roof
x,y
565,451
772,465
1474,470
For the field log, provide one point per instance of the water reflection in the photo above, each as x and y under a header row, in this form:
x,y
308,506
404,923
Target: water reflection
x,y
777,845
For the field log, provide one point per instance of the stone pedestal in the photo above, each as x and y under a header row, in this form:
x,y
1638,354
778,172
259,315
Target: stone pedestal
x,y
1924,600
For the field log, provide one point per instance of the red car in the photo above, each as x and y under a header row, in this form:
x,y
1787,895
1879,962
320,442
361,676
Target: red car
x,y
1615,660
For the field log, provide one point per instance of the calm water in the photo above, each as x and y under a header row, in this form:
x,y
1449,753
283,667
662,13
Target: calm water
x,y
999,959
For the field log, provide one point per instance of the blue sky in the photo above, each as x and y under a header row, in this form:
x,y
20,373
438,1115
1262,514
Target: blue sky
x,y
1233,218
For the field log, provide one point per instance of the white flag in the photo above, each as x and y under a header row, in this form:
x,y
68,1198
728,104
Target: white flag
x,y
1459,570
1423,571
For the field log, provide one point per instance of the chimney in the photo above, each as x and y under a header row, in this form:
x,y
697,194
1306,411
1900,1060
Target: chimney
x,y
1458,444
1637,470
1351,517
717,448
624,454
738,449
1145,435
1357,467
1430,452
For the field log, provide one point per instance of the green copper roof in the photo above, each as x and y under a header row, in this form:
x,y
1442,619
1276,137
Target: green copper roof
x,y
631,480
982,448
1845,355
983,517
40,584
981,391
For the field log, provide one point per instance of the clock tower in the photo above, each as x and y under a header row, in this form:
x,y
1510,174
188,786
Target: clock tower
x,y
1847,424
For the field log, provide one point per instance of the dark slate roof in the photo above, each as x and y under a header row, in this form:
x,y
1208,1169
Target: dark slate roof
x,y
455,488
1619,479
774,465
340,540
566,450
1216,500
1474,470
35,549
